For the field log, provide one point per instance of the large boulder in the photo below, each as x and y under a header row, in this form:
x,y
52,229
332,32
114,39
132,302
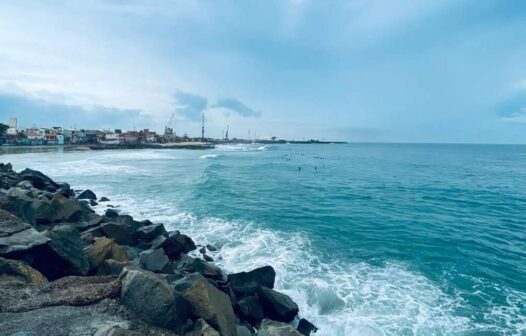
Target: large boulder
x,y
73,291
20,207
149,232
306,328
174,244
115,330
208,303
39,180
8,177
118,232
249,309
194,265
277,306
15,273
17,236
112,267
153,260
274,328
152,299
104,248
87,194
201,328
60,209
246,283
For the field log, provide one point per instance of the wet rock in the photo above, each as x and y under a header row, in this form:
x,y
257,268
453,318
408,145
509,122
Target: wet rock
x,y
211,248
104,199
93,203
277,306
208,303
112,267
153,260
306,328
274,328
20,207
202,250
104,248
17,236
206,257
15,273
88,195
39,180
174,244
194,265
118,232
153,299
73,291
243,331
201,328
60,209
246,283
249,309
148,233
115,329
111,213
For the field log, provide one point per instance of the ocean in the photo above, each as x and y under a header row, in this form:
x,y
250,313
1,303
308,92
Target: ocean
x,y
368,239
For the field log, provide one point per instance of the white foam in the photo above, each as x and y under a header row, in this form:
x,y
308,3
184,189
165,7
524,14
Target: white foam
x,y
240,148
209,156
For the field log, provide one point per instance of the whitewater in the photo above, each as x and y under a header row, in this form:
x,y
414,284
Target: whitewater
x,y
368,239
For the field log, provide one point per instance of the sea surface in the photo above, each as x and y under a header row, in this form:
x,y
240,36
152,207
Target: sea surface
x,y
368,239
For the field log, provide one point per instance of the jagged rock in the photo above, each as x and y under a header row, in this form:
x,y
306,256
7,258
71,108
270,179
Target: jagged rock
x,y
202,250
153,299
206,257
15,273
208,303
17,236
250,309
112,267
153,260
39,180
174,244
104,199
93,203
103,249
211,248
246,283
20,207
201,328
87,194
193,265
73,291
274,328
148,233
111,213
306,328
277,306
115,329
118,232
243,331
60,209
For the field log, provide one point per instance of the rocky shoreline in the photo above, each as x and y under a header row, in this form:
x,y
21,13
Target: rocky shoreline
x,y
66,270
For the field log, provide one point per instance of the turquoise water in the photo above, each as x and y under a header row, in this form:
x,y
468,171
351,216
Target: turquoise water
x,y
369,239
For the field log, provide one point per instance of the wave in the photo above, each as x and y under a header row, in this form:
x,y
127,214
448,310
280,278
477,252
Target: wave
x,y
240,148
209,156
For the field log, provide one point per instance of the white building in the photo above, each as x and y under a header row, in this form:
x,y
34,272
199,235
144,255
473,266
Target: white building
x,y
13,123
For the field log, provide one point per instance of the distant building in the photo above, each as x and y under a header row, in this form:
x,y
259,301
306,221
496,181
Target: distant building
x,y
13,123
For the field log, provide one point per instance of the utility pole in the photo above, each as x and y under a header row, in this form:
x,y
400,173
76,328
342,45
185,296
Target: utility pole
x,y
203,128
227,127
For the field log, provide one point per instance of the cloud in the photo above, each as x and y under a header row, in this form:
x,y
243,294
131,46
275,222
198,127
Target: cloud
x,y
513,108
189,105
518,117
32,111
236,106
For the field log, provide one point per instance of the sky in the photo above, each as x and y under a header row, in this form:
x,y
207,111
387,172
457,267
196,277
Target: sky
x,y
356,70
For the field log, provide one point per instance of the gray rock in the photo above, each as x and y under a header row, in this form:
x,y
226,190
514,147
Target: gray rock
x,y
153,299
306,328
87,194
246,283
118,232
153,260
243,331
193,265
249,309
148,233
17,236
201,328
39,180
105,248
17,274
208,303
115,329
60,209
211,248
277,306
274,328
111,213
104,199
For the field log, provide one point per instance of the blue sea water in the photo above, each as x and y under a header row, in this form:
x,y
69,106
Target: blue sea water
x,y
368,239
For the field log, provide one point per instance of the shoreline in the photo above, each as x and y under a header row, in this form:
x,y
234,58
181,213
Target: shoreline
x,y
54,246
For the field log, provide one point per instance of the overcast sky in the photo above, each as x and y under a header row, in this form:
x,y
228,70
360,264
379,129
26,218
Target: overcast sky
x,y
415,71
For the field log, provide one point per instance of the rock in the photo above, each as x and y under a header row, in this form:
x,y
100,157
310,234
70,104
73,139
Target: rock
x,y
206,257
66,255
87,194
111,213
153,260
104,199
39,180
211,248
246,283
118,233
306,328
20,207
192,265
202,250
17,273
153,299
243,331
208,303
277,306
201,328
174,244
17,236
274,328
114,329
112,267
148,233
73,291
103,249
250,309
60,209
93,203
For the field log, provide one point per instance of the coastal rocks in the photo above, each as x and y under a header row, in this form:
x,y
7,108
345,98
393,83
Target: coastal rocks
x,y
39,180
115,330
15,273
117,232
148,233
208,303
104,199
60,209
73,291
112,267
153,299
246,283
277,306
153,260
306,328
87,195
103,249
194,265
250,309
201,328
16,236
111,213
174,244
8,178
274,328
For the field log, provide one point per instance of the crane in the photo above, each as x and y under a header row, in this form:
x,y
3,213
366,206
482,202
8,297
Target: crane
x,y
168,130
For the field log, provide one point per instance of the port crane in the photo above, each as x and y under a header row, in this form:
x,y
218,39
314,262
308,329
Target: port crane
x,y
168,130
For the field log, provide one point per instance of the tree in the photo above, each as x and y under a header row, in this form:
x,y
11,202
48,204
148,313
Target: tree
x,y
3,128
